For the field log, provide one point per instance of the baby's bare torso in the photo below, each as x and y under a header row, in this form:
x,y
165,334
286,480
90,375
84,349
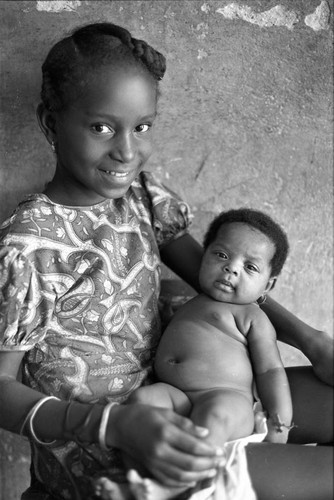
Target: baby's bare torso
x,y
204,347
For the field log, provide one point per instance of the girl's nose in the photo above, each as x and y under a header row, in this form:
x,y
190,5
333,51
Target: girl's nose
x,y
124,149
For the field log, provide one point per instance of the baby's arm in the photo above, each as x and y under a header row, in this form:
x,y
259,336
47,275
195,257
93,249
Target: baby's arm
x,y
271,380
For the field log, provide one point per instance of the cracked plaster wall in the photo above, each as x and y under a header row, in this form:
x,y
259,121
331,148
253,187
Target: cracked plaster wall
x,y
245,119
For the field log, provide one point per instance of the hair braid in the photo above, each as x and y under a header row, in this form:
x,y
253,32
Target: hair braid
x,y
154,61
48,94
66,66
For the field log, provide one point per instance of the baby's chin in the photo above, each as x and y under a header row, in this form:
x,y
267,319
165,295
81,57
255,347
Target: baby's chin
x,y
221,296
229,296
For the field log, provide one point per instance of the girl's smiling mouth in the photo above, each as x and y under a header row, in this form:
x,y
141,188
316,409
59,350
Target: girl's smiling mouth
x,y
122,175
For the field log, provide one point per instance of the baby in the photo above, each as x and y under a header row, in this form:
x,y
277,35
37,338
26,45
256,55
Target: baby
x,y
219,352
220,342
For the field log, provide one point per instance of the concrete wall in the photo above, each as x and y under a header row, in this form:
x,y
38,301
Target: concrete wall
x,y
245,120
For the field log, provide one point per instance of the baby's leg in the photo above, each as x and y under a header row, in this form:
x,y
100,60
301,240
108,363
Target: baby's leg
x,y
226,413
163,396
149,489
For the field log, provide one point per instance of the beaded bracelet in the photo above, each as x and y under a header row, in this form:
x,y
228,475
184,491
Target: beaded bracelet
x,y
103,425
30,420
278,424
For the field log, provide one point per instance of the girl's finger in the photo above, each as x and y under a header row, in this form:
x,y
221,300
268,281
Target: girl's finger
x,y
190,439
169,474
181,466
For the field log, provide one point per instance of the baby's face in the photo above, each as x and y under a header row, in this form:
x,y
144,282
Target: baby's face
x,y
236,265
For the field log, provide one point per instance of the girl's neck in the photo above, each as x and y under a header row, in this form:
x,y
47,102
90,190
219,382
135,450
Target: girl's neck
x,y
62,194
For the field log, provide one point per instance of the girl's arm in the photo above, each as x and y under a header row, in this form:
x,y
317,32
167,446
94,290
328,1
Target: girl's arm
x,y
170,446
16,400
270,377
183,256
318,346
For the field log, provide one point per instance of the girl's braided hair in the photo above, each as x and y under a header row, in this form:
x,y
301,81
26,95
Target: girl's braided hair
x,y
67,65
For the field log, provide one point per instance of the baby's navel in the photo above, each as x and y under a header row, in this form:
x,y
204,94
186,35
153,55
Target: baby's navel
x,y
173,361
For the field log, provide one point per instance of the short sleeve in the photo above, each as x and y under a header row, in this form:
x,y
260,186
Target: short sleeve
x,y
171,215
23,306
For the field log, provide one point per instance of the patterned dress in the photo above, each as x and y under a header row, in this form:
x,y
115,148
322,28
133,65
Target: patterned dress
x,y
79,290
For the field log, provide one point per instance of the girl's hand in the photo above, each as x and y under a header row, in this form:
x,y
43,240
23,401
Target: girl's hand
x,y
168,445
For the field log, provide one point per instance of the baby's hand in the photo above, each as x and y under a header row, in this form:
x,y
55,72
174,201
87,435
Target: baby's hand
x,y
168,445
278,432
277,437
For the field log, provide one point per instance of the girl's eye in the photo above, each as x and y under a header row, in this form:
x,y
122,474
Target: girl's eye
x,y
144,127
101,128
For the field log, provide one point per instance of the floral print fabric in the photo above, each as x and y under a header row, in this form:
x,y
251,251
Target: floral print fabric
x,y
79,290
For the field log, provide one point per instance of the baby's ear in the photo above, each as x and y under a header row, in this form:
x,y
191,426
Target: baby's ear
x,y
47,122
271,283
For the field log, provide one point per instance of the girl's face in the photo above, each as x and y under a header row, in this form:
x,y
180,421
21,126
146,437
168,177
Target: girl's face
x,y
103,139
236,265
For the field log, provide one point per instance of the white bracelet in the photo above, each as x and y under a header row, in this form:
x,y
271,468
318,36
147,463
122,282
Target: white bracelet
x,y
103,425
30,417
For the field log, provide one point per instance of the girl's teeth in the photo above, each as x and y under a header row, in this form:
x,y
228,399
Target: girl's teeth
x,y
116,174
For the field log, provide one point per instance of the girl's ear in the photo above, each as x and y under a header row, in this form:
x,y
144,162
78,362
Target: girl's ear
x,y
271,283
47,122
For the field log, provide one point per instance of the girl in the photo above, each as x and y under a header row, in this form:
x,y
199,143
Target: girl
x,y
80,269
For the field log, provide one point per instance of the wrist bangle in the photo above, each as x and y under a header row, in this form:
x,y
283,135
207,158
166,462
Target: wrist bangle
x,y
103,425
78,434
30,420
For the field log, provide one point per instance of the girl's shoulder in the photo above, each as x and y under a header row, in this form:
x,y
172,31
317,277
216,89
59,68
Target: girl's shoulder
x,y
12,258
32,207
169,215
148,184
15,271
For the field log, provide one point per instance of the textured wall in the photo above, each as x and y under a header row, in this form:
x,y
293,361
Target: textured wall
x,y
245,119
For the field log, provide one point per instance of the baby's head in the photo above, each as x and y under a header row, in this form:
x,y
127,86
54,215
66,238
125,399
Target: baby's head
x,y
76,60
245,251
